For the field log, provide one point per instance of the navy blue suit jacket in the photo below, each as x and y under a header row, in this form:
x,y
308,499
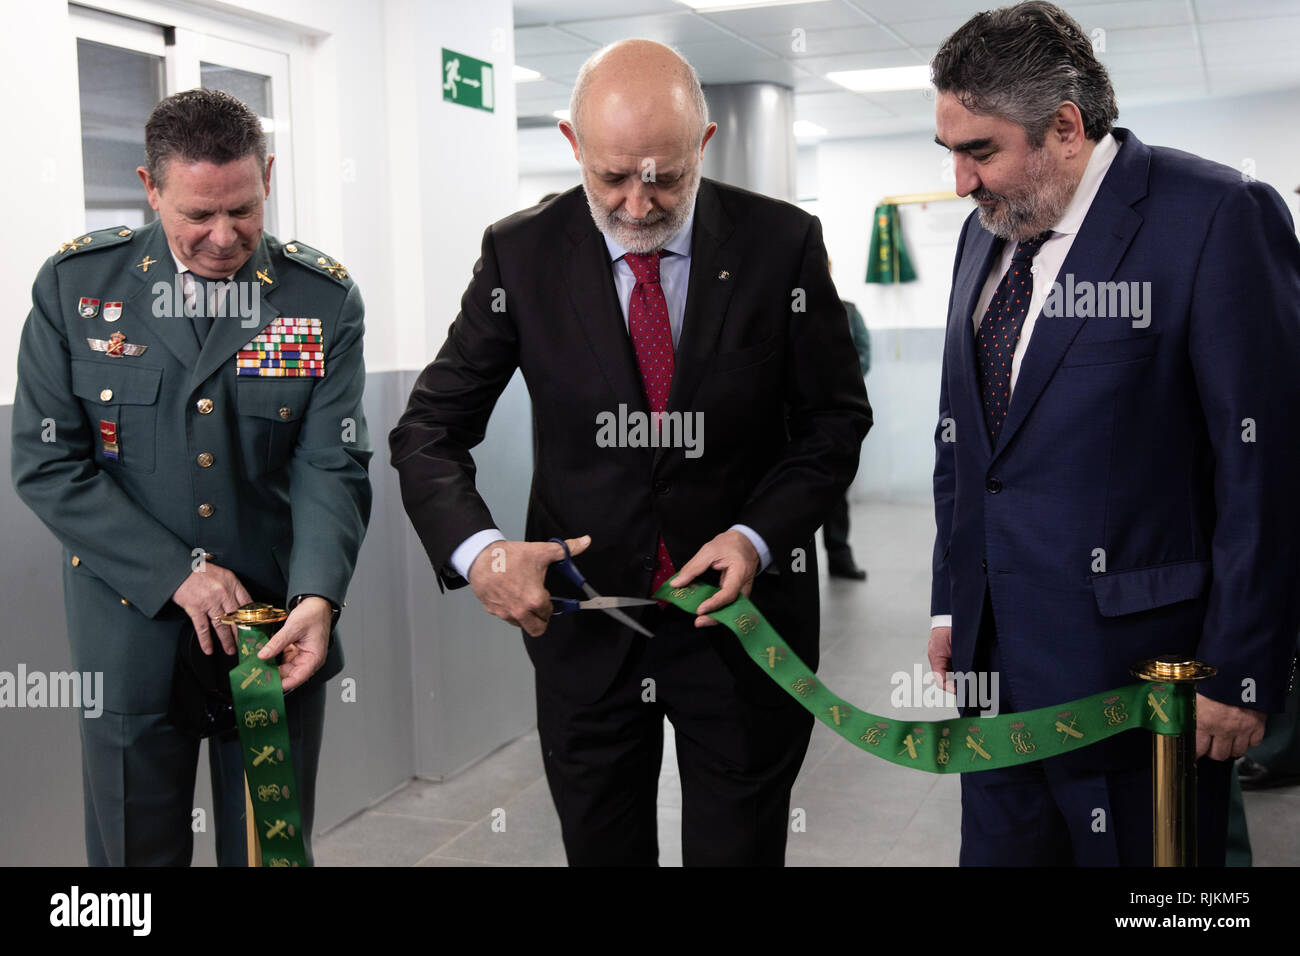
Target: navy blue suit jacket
x,y
1171,447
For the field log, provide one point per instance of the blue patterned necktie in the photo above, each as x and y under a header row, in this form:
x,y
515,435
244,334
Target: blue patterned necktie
x,y
995,341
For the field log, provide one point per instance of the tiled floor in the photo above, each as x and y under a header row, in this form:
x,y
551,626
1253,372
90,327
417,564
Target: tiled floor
x,y
857,810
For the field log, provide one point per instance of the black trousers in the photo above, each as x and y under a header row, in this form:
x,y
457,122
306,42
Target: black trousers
x,y
138,783
835,532
1053,813
738,754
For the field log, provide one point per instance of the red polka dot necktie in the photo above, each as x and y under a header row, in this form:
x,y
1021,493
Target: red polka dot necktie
x,y
652,338
999,331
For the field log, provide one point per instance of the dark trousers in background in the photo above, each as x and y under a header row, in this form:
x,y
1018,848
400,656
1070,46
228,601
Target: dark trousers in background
x,y
138,782
835,532
738,754
1051,813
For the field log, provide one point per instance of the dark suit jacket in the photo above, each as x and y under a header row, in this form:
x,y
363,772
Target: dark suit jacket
x,y
1130,440
764,355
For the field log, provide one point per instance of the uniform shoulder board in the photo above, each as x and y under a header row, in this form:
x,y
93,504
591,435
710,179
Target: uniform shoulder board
x,y
99,239
305,255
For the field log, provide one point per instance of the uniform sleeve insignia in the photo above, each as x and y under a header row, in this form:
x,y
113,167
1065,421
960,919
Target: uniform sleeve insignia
x,y
116,346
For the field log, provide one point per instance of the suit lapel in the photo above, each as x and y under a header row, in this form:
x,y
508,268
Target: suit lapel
x,y
713,254
155,271
984,249
255,283
1104,237
589,281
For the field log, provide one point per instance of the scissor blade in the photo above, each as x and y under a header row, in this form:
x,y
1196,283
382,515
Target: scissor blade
x,y
620,616
604,603
616,614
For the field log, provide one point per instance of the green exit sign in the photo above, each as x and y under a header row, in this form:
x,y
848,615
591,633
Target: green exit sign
x,y
466,81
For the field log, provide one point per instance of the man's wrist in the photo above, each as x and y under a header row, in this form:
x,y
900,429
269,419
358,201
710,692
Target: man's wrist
x,y
297,599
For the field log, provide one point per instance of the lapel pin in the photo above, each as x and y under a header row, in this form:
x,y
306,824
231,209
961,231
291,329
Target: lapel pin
x,y
112,311
145,263
88,308
724,275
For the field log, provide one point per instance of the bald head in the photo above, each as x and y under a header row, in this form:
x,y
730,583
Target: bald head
x,y
637,92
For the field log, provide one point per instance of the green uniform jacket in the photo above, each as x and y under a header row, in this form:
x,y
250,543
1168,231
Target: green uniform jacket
x,y
144,460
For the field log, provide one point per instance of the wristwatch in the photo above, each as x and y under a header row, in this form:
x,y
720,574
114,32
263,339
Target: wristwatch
x,y
297,599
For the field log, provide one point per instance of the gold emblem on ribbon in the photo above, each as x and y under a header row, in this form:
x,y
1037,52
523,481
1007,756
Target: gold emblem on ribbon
x,y
1115,711
745,623
771,655
680,593
1020,739
975,743
1157,706
911,742
804,686
839,713
256,718
267,792
874,735
942,757
1067,730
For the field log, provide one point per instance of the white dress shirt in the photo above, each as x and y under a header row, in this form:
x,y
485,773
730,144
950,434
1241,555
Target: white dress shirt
x,y
1047,264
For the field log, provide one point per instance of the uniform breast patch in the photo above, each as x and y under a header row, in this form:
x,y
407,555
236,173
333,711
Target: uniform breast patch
x,y
287,348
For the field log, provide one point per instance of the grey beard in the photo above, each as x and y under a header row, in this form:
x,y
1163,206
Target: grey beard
x,y
1037,211
644,241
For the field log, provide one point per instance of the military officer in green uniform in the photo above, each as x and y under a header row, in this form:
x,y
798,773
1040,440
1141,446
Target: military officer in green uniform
x,y
194,444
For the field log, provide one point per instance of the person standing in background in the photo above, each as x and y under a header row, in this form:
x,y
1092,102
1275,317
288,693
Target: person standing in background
x,y
835,532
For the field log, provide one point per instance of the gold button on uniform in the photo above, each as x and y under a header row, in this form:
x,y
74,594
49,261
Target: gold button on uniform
x,y
205,460
106,395
75,561
286,412
125,602
205,510
291,248
204,405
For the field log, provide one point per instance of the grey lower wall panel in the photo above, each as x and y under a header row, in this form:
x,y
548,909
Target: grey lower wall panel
x,y
898,454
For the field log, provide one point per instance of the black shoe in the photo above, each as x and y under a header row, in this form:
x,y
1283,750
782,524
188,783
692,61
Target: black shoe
x,y
1256,776
843,566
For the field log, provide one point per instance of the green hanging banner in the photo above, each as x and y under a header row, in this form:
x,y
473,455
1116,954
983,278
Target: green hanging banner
x,y
264,738
957,745
887,260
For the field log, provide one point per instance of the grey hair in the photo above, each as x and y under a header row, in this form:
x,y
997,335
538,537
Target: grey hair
x,y
689,78
201,126
1022,63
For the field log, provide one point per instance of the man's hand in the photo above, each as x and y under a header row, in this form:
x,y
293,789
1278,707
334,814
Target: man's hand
x,y
304,639
940,654
205,596
508,579
731,553
1225,731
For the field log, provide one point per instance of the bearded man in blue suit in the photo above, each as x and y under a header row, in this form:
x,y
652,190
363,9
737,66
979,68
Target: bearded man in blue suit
x,y
1115,454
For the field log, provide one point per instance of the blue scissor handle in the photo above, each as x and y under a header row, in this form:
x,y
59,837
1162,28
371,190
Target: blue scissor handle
x,y
568,567
564,605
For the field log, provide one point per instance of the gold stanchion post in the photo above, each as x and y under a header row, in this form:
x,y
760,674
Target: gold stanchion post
x,y
1173,772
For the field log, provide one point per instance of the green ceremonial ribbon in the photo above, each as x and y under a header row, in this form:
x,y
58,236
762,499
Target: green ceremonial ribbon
x,y
264,740
961,744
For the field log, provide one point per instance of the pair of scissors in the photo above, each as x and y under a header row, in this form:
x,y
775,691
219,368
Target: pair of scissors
x,y
595,601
